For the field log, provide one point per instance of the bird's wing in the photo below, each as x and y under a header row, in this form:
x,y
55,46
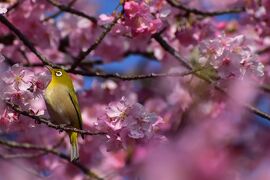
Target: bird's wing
x,y
75,103
62,107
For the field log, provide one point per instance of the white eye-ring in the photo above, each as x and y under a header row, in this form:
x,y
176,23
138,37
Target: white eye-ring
x,y
58,73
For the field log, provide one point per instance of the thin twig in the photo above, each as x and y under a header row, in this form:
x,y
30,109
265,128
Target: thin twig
x,y
204,13
134,77
263,51
30,155
72,11
173,52
22,155
83,54
84,64
123,77
8,60
49,123
50,150
26,42
13,6
59,12
265,88
25,56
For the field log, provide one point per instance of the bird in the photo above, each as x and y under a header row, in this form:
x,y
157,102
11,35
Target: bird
x,y
63,106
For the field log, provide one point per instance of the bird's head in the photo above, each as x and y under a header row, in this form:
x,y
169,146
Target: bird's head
x,y
59,75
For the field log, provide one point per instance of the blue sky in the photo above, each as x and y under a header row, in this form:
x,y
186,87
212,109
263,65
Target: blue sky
x,y
125,65
107,6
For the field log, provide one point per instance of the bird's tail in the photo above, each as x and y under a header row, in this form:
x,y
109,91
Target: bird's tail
x,y
74,154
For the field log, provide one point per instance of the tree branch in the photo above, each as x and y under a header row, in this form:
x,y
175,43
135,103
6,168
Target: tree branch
x,y
123,77
134,77
13,6
22,155
265,88
263,51
174,53
71,10
30,155
42,120
84,64
50,150
83,54
204,13
59,12
26,42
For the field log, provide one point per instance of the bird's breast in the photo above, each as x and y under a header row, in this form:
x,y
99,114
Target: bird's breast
x,y
58,104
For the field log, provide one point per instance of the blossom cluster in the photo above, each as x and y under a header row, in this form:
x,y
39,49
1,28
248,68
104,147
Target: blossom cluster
x,y
125,122
139,19
155,119
231,57
23,88
257,13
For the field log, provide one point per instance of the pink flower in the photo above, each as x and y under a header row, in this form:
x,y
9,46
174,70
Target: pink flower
x,y
39,83
129,120
27,18
3,10
17,77
105,19
139,18
116,114
231,57
133,117
179,97
8,116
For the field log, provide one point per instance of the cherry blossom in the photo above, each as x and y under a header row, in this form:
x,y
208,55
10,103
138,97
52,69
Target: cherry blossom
x,y
230,57
146,116
17,78
139,19
128,120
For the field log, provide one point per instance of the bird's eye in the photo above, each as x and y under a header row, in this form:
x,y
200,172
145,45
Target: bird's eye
x,y
58,73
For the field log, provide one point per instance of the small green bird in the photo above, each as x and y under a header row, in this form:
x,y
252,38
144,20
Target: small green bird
x,y
63,106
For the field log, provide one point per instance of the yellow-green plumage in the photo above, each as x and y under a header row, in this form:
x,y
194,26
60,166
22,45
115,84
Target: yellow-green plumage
x,y
63,107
